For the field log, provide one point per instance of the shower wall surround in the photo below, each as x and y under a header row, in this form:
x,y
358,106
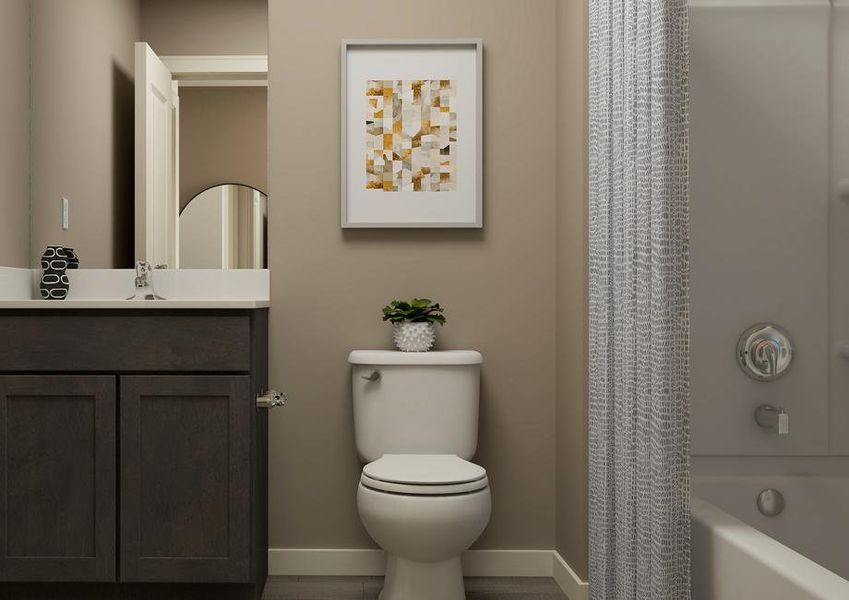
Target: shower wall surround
x,y
838,441
769,135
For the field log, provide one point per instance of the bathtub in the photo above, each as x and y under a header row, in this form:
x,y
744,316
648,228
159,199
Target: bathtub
x,y
801,554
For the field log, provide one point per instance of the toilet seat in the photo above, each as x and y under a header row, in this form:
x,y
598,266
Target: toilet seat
x,y
424,475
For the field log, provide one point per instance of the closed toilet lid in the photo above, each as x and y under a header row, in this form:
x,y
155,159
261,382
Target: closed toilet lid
x,y
424,470
413,489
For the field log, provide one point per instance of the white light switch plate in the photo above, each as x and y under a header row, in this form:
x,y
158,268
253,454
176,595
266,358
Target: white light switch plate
x,y
65,214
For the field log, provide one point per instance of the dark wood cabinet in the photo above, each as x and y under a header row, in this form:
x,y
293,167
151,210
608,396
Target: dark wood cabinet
x,y
185,478
128,475
57,468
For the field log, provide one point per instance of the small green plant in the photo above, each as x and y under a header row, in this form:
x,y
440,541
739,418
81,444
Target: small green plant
x,y
417,310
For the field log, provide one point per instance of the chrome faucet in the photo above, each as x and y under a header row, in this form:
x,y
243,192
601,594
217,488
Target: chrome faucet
x,y
144,282
773,417
143,278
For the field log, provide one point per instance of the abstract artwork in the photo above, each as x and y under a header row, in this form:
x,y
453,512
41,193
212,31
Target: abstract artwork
x,y
411,135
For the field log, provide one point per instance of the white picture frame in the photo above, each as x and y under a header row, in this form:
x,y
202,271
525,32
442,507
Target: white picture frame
x,y
458,204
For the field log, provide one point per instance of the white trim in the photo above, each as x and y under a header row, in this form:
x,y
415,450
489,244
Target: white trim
x,y
325,561
218,71
192,66
573,586
222,83
476,563
507,563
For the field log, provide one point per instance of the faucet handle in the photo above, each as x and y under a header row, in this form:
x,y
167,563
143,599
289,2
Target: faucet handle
x,y
764,352
142,268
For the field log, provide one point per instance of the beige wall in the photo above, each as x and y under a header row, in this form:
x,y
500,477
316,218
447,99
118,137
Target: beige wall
x,y
328,285
194,27
571,506
223,138
515,290
82,127
14,133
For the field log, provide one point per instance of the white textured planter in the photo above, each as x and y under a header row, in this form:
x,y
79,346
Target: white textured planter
x,y
413,337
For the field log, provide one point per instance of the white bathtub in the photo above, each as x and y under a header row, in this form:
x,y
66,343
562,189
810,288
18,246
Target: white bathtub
x,y
801,554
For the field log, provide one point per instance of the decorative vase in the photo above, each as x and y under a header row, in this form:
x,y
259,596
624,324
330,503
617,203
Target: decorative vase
x,y
413,337
73,259
54,283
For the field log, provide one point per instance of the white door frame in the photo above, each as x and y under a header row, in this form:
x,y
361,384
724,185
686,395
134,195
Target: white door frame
x,y
219,71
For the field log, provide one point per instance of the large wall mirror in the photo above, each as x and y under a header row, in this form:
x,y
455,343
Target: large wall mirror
x,y
121,119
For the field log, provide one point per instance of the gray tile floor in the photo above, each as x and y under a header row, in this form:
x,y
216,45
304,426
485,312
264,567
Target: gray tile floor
x,y
368,588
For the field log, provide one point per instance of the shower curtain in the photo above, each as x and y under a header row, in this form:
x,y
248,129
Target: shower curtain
x,y
638,301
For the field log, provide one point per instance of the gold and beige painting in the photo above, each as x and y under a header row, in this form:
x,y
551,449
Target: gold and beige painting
x,y
411,135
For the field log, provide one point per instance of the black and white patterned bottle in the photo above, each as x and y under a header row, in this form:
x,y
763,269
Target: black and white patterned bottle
x,y
72,258
54,283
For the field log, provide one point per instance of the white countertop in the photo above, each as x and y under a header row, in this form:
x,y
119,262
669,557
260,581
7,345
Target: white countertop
x,y
107,288
134,304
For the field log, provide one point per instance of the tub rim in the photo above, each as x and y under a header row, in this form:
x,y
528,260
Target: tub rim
x,y
807,575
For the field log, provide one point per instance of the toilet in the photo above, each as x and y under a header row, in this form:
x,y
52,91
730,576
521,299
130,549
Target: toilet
x,y
419,497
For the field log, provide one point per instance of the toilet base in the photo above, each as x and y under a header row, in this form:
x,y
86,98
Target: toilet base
x,y
411,580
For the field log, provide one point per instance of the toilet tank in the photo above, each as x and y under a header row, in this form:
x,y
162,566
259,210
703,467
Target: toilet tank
x,y
415,402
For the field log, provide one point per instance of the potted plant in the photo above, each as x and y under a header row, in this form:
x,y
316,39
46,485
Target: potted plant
x,y
412,323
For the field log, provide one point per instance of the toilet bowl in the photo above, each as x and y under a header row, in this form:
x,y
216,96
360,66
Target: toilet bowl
x,y
424,511
419,497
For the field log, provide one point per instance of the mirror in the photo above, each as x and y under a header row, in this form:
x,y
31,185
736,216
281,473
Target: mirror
x,y
224,227
117,114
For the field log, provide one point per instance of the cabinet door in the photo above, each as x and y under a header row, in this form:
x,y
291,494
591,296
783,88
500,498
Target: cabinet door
x,y
57,471
185,478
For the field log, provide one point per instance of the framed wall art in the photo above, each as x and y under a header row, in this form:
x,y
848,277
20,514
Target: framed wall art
x,y
412,127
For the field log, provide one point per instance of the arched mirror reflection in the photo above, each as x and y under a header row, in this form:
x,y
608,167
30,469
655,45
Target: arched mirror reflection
x,y
224,227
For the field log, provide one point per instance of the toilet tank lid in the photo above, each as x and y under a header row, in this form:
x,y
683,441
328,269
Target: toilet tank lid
x,y
394,357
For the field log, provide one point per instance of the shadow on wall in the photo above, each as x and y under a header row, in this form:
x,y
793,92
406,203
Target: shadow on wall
x,y
123,168
414,236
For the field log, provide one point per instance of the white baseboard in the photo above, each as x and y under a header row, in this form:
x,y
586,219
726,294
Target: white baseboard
x,y
507,563
325,561
476,563
573,586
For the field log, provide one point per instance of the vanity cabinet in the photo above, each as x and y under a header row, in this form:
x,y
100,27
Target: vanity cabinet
x,y
135,462
57,460
185,478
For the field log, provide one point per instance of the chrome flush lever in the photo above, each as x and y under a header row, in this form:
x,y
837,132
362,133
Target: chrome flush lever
x,y
373,376
271,399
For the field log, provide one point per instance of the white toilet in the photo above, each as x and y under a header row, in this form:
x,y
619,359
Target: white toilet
x,y
416,427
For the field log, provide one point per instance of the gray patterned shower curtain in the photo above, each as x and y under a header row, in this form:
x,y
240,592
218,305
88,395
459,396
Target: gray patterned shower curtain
x,y
639,508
